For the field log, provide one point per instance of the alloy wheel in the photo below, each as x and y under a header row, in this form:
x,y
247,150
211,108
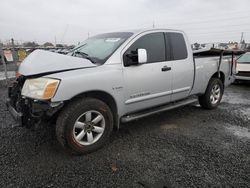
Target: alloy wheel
x,y
89,127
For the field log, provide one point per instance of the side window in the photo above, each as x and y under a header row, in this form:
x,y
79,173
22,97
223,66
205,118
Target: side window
x,y
153,43
178,46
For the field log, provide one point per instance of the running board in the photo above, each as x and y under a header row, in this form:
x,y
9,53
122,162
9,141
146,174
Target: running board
x,y
156,110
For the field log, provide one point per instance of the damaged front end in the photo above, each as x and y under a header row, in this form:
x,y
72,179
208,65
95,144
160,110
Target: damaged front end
x,y
27,111
29,97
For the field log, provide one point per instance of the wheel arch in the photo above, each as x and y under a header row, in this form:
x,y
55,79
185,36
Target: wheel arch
x,y
220,76
106,98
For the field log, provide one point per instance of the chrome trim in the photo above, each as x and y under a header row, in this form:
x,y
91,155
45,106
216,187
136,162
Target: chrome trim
x,y
156,95
181,90
143,98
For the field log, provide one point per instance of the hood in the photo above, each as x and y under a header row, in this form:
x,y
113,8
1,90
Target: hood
x,y
42,62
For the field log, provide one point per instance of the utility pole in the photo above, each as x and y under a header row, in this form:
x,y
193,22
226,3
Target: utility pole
x,y
88,34
242,37
65,31
55,41
153,24
13,49
12,42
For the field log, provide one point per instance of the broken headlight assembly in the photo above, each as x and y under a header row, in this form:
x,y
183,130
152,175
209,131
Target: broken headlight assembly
x,y
40,88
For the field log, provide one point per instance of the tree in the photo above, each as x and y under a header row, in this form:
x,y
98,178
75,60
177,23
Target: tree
x,y
30,44
59,45
47,44
71,46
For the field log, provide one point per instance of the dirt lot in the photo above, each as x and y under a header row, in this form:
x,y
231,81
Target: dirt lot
x,y
185,147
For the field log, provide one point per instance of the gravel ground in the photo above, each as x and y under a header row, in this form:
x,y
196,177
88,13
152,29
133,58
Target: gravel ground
x,y
185,147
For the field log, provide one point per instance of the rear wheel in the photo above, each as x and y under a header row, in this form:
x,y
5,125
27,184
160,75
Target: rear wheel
x,y
84,125
213,95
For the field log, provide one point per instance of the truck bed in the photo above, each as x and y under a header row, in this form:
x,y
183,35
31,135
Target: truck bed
x,y
210,60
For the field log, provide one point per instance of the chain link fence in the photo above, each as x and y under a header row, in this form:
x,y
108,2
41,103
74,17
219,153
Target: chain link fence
x,y
8,65
11,57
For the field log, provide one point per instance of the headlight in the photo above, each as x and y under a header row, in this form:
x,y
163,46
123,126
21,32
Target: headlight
x,y
40,88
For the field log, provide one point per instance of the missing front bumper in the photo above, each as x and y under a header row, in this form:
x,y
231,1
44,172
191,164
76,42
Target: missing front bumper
x,y
26,111
32,112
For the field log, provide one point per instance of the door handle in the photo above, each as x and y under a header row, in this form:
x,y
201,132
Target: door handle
x,y
165,68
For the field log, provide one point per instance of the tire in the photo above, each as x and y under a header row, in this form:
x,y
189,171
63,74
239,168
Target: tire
x,y
211,99
75,119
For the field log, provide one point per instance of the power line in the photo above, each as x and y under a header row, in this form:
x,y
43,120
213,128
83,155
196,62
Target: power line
x,y
215,37
205,21
221,26
149,24
219,32
217,16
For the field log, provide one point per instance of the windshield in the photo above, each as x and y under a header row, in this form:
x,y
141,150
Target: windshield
x,y
245,58
99,48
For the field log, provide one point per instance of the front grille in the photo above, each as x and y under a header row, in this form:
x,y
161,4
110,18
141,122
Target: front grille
x,y
243,73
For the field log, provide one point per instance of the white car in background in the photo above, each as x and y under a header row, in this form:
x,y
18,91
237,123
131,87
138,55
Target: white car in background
x,y
243,67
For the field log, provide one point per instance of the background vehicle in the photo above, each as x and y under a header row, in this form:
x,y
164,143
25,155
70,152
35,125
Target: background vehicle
x,y
243,67
113,78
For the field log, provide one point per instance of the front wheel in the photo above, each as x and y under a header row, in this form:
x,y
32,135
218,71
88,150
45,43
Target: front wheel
x,y
84,125
213,95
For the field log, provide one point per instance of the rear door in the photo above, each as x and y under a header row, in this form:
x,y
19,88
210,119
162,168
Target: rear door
x,y
182,65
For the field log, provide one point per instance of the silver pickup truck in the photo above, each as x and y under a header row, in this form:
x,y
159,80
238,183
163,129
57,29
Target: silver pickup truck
x,y
112,78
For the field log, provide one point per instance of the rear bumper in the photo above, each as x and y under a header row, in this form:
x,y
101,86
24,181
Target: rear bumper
x,y
242,78
243,75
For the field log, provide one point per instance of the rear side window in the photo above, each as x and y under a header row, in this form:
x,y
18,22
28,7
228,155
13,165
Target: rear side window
x,y
178,46
154,44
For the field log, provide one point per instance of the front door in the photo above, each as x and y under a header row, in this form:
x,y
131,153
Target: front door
x,y
149,84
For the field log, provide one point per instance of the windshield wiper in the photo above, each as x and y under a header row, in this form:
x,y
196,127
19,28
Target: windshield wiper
x,y
85,55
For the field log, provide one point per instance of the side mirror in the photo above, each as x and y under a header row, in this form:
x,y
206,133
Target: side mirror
x,y
135,57
142,56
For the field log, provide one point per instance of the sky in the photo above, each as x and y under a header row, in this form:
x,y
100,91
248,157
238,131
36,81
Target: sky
x,y
72,21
